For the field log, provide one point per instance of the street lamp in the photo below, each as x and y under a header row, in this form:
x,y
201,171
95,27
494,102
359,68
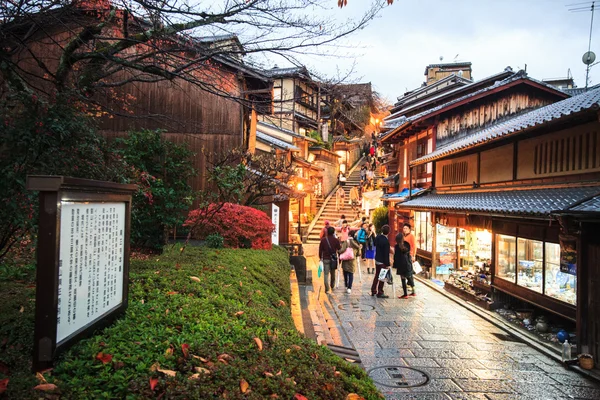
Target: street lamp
x,y
300,186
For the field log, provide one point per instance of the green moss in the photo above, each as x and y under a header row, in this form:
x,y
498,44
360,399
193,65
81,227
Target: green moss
x,y
168,309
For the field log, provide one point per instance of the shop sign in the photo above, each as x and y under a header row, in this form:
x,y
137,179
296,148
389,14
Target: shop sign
x,y
275,220
82,260
568,254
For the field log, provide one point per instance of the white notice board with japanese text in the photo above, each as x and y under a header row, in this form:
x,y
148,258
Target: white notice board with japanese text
x,y
91,260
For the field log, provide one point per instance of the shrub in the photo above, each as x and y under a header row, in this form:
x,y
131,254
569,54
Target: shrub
x,y
235,296
44,138
240,226
162,170
380,218
214,241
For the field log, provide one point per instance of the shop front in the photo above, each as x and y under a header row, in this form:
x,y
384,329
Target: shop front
x,y
531,264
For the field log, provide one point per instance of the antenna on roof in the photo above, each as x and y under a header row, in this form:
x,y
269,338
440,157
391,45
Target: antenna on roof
x,y
589,57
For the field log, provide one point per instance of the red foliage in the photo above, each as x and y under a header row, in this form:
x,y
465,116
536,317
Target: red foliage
x,y
240,226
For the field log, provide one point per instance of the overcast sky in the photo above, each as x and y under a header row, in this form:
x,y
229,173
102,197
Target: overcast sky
x,y
492,34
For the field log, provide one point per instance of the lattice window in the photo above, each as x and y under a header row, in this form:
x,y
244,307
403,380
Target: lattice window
x,y
576,153
457,173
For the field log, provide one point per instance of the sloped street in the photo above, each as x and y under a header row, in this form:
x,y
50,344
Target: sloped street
x,y
455,353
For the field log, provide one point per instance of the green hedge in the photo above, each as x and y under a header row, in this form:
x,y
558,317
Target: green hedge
x,y
169,309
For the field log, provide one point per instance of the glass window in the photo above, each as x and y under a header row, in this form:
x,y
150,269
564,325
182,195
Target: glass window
x,y
506,251
559,285
530,257
423,231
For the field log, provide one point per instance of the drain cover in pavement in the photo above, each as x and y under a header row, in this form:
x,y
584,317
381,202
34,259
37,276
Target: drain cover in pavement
x,y
355,307
398,376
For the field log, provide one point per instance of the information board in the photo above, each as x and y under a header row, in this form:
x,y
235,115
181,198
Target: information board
x,y
90,267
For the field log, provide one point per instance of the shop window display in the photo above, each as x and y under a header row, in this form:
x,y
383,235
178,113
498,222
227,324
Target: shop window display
x,y
559,285
506,252
530,258
475,249
446,249
423,231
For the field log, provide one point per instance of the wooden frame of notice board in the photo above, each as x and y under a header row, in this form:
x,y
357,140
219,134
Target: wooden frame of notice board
x,y
82,260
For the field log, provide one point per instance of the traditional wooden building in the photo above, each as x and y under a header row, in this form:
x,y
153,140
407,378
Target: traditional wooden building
x,y
296,100
513,207
467,109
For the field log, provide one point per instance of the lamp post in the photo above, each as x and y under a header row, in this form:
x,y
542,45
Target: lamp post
x,y
300,186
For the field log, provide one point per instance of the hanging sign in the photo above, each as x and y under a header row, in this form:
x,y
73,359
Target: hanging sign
x,y
568,254
82,260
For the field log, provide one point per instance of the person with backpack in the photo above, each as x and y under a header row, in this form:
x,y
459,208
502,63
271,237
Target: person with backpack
x,y
403,265
348,254
361,238
324,230
328,248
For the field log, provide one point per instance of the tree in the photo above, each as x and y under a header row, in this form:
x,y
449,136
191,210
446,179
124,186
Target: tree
x,y
162,170
260,177
91,47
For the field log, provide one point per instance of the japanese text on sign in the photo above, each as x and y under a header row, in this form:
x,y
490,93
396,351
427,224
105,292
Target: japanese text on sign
x,y
90,269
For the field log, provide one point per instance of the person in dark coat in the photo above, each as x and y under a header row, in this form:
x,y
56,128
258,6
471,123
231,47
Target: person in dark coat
x,y
329,246
403,265
382,261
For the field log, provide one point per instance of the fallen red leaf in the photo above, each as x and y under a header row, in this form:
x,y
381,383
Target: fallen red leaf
x,y
172,293
298,396
105,358
153,383
46,387
185,348
3,385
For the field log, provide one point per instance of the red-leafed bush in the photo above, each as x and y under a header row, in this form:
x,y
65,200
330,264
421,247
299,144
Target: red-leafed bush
x,y
240,226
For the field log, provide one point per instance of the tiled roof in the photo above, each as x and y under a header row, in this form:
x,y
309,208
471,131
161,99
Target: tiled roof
x,y
275,142
520,75
285,72
591,205
578,91
555,111
531,201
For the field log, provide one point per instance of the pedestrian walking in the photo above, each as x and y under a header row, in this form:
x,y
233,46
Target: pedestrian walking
x,y
403,265
328,248
361,238
410,238
344,231
339,222
354,198
363,172
382,261
348,254
324,230
340,195
370,249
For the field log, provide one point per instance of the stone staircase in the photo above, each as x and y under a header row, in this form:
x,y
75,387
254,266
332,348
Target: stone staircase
x,y
330,214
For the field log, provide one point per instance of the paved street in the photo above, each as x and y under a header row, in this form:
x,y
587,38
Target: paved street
x,y
464,356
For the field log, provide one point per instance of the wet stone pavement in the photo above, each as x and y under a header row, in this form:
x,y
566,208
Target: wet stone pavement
x,y
450,352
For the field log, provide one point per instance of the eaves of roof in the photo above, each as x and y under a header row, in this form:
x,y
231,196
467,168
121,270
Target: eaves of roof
x,y
533,119
278,143
499,86
524,201
473,85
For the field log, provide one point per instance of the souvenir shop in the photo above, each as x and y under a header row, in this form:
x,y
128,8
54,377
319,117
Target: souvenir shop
x,y
524,260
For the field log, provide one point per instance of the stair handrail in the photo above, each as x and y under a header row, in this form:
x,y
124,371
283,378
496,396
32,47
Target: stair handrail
x,y
318,214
